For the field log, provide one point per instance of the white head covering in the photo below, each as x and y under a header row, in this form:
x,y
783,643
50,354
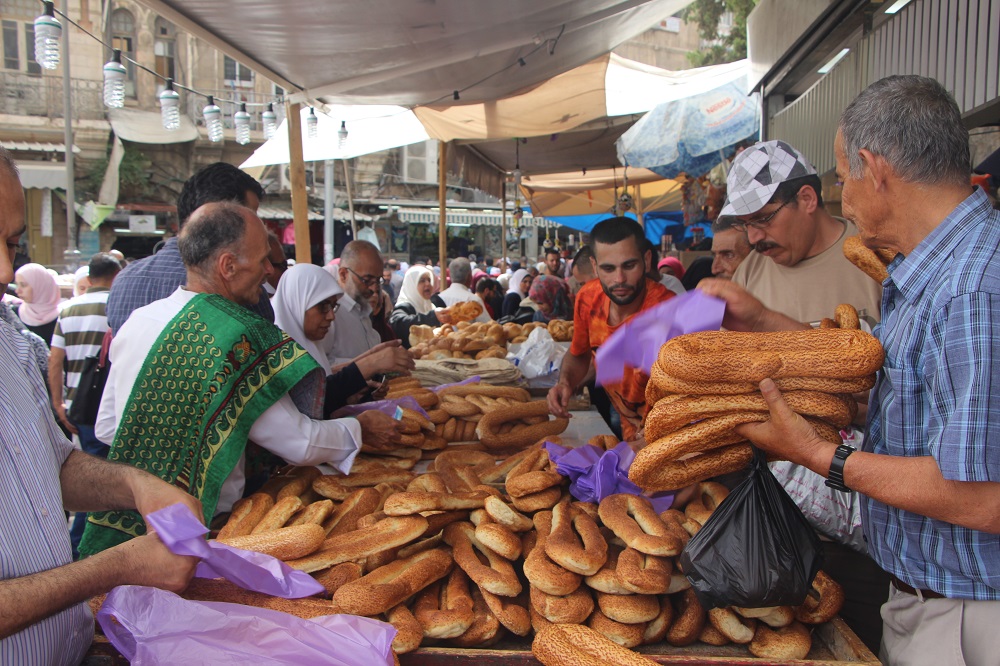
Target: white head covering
x,y
81,272
409,293
301,287
514,286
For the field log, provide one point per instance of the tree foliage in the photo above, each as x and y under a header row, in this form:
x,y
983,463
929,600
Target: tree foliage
x,y
133,176
723,47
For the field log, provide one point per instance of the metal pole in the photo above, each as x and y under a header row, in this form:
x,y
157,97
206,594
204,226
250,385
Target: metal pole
x,y
503,228
72,254
350,201
443,214
328,236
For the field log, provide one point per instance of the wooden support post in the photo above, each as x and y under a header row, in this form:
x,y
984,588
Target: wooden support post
x,y
638,206
297,175
443,208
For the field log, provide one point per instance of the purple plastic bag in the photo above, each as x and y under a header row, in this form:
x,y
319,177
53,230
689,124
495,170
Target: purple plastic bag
x,y
150,627
637,343
386,406
183,534
595,473
474,379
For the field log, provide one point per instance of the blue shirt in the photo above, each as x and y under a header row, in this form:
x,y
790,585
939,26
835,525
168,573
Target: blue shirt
x,y
33,534
938,395
155,278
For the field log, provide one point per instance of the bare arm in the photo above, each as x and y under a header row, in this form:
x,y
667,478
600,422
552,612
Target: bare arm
x,y
57,358
913,484
571,376
141,561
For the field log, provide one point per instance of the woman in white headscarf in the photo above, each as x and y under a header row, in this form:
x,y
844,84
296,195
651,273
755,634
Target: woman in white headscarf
x,y
414,305
517,291
305,306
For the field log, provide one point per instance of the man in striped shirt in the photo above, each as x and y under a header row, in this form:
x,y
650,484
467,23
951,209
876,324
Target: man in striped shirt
x,y
44,618
78,334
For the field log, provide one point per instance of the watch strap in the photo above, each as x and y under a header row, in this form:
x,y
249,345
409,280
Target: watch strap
x,y
835,478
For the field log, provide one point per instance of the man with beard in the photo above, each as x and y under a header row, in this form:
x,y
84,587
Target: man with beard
x,y
623,289
798,266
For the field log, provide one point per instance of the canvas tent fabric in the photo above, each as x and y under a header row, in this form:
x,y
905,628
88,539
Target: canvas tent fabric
x,y
596,191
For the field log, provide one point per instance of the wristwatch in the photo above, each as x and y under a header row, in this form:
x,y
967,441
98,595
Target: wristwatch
x,y
835,478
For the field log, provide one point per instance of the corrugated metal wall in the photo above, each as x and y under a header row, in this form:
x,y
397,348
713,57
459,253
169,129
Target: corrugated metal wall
x,y
955,41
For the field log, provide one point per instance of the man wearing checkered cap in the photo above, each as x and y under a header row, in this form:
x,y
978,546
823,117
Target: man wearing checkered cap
x,y
798,269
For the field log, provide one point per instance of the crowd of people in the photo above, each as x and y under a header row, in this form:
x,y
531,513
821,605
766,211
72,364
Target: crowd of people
x,y
223,363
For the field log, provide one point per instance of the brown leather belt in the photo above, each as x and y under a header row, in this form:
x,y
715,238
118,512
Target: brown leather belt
x,y
926,594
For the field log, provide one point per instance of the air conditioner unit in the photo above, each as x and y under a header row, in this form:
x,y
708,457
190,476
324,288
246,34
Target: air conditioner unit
x,y
285,184
420,162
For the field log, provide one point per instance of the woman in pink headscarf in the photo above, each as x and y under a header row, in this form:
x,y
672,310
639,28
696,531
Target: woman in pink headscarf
x,y
40,293
671,266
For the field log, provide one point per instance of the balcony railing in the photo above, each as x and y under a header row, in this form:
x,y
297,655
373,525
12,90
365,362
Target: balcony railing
x,y
31,95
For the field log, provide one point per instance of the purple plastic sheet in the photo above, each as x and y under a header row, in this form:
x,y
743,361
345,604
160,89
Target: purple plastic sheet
x,y
151,627
387,406
474,379
637,343
595,473
183,534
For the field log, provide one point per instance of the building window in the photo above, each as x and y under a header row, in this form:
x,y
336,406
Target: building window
x,y
15,51
165,49
11,47
236,74
123,38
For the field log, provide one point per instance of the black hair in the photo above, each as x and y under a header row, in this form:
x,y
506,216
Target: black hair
x,y
616,229
103,265
551,250
790,188
486,283
216,182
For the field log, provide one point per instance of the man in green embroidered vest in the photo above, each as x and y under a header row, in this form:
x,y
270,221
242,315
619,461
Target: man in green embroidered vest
x,y
196,375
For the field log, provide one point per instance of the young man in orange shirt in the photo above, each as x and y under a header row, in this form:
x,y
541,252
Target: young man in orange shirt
x,y
621,291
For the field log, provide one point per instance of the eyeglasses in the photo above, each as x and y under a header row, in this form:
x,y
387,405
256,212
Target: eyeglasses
x,y
760,222
280,265
370,281
326,307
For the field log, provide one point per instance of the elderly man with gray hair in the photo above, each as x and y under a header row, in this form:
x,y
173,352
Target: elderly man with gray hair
x,y
928,472
460,274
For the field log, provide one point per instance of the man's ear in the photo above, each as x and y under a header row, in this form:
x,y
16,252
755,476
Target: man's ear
x,y
647,258
226,265
808,202
877,169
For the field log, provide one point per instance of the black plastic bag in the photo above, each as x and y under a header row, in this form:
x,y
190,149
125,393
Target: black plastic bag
x,y
756,550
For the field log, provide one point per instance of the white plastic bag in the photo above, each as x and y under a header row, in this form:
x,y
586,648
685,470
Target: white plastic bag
x,y
539,355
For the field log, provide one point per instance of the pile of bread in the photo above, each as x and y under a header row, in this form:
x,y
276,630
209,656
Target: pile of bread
x,y
499,418
475,340
560,330
477,547
703,385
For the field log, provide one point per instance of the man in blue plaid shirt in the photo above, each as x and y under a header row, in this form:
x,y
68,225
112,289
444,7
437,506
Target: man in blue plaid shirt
x,y
929,469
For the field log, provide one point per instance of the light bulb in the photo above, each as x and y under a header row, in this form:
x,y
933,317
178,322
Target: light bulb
x,y
170,103
342,135
213,120
241,121
48,30
312,124
270,121
114,81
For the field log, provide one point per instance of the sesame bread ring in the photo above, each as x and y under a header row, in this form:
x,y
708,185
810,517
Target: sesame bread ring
x,y
662,384
629,608
488,425
682,473
392,584
846,316
485,626
633,520
791,642
497,576
539,568
823,601
731,625
712,636
574,608
409,632
245,515
689,620
626,635
656,629
512,613
499,539
361,543
284,543
444,609
409,503
503,514
773,616
866,259
640,573
606,580
575,542
732,356
578,645
546,499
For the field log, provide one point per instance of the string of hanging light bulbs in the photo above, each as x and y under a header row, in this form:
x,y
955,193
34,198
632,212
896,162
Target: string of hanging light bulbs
x,y
48,31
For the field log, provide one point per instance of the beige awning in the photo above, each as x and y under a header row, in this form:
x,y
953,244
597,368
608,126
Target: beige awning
x,y
147,127
42,175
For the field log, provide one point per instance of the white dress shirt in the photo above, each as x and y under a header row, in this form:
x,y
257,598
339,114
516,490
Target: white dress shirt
x,y
459,293
351,333
281,429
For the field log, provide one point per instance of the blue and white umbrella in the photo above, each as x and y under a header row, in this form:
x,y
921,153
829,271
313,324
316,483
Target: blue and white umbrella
x,y
693,134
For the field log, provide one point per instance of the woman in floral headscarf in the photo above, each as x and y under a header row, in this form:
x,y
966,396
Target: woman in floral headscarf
x,y
552,297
